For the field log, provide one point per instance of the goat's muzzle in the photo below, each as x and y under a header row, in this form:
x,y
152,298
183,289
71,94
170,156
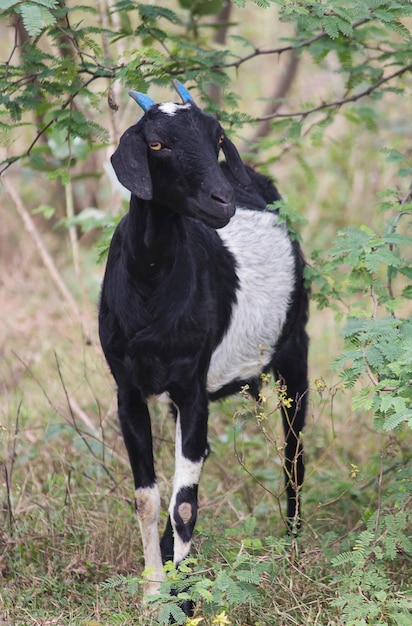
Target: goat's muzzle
x,y
219,209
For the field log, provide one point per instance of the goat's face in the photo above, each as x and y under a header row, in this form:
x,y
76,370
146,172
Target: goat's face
x,y
171,157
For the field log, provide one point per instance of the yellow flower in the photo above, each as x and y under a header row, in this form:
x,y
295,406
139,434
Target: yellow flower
x,y
221,620
194,621
320,385
287,402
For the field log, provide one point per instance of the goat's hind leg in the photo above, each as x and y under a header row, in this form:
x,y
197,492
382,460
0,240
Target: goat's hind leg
x,y
290,368
135,424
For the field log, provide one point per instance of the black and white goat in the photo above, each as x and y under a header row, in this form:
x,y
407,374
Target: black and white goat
x,y
203,291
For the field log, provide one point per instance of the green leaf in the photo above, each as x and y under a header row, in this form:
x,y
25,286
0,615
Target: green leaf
x,y
202,7
407,292
35,17
330,24
46,210
7,4
61,173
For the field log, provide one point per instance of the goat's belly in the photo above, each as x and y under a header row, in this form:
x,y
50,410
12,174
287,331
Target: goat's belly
x,y
266,272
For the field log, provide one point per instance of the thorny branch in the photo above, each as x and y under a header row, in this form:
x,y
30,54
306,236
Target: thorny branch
x,y
15,45
45,128
275,51
110,72
340,101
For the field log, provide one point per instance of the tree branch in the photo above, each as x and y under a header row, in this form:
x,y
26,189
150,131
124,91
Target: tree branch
x,y
220,38
281,89
41,131
45,256
339,101
258,52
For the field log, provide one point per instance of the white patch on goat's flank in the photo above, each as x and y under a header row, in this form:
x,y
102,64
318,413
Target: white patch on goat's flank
x,y
266,272
171,108
187,474
148,512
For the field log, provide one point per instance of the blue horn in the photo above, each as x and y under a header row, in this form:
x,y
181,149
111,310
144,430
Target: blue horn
x,y
182,91
142,100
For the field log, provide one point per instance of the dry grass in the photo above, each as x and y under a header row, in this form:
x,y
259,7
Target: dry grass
x,y
66,488
70,523
68,511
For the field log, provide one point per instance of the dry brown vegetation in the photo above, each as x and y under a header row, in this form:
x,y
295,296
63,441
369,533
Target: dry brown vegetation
x,y
66,488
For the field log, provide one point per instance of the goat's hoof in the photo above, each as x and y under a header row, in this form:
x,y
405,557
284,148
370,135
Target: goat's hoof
x,y
187,608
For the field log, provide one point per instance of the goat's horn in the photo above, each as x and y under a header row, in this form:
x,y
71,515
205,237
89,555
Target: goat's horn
x,y
182,91
142,100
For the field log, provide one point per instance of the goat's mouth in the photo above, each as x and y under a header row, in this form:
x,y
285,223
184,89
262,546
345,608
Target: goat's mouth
x,y
213,211
216,216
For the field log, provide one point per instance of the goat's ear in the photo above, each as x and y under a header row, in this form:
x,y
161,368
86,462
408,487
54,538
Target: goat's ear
x,y
234,162
130,164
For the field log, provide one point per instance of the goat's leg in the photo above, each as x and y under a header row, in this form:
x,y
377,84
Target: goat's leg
x,y
135,424
294,468
290,367
190,452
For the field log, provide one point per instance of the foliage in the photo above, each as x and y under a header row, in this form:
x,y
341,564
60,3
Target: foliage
x,y
66,54
63,78
363,264
369,272
234,584
36,15
366,592
230,587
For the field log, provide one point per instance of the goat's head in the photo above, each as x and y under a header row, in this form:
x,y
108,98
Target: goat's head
x,y
171,157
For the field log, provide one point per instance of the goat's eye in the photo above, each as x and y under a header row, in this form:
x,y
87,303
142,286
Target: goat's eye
x,y
221,138
155,145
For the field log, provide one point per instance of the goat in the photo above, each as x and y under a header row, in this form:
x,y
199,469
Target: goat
x,y
203,291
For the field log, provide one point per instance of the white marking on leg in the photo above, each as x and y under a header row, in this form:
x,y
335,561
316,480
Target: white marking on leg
x,y
187,474
148,512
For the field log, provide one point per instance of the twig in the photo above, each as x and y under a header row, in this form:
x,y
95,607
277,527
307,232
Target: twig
x,y
8,470
103,18
74,408
407,197
282,49
339,101
281,89
256,480
45,256
15,46
78,411
379,504
81,434
74,241
220,37
45,128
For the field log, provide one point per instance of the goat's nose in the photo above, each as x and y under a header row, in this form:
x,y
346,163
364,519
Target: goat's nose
x,y
224,196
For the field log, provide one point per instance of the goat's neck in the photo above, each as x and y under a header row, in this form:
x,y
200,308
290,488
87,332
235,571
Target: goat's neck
x,y
155,233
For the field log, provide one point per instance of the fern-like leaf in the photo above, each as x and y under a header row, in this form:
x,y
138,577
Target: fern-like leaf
x,y
35,17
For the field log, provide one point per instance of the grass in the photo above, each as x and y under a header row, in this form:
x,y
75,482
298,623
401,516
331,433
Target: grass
x,y
66,493
66,487
67,509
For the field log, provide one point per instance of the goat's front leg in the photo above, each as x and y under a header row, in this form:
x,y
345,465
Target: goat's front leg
x,y
191,448
135,424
